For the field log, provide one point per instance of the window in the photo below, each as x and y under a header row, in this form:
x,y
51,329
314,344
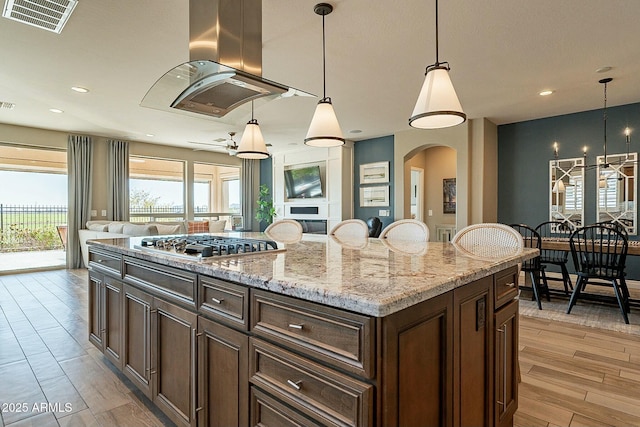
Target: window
x,y
156,189
216,189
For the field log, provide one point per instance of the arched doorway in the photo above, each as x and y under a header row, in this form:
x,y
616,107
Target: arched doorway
x,y
437,191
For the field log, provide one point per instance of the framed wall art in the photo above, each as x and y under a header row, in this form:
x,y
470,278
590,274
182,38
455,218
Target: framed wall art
x,y
374,196
449,195
374,173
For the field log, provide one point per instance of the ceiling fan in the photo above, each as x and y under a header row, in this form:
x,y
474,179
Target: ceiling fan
x,y
230,145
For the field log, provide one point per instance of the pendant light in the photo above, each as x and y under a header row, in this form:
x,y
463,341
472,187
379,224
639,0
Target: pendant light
x,y
438,105
324,130
252,144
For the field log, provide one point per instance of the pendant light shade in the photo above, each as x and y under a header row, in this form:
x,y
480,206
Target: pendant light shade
x,y
324,130
252,144
438,105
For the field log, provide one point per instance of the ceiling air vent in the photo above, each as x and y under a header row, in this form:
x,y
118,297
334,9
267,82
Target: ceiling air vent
x,y
50,15
6,105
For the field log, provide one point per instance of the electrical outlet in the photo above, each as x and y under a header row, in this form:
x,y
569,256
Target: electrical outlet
x,y
430,212
104,212
94,213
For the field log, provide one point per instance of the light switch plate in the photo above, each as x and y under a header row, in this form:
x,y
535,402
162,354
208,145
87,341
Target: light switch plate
x,y
104,212
383,212
94,213
430,212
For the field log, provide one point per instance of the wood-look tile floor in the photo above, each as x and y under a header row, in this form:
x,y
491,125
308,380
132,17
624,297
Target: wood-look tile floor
x,y
50,375
571,375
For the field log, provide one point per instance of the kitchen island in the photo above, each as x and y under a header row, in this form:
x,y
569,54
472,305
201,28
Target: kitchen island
x,y
318,332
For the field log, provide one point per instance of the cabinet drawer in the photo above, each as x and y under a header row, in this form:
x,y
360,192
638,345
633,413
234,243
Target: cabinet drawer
x,y
108,263
268,412
505,287
321,393
170,283
333,336
223,301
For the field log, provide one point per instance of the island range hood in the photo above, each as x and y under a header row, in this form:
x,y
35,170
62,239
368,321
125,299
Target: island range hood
x,y
225,67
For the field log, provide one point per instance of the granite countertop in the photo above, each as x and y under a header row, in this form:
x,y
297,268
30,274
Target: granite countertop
x,y
369,277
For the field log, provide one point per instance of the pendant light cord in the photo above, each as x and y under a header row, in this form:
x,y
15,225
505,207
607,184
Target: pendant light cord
x,y
605,125
324,66
437,61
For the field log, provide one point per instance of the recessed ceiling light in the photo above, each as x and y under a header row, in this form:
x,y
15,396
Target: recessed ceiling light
x,y
150,134
603,69
79,89
355,131
545,93
56,110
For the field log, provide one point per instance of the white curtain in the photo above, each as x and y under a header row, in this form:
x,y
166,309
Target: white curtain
x,y
80,166
248,195
118,180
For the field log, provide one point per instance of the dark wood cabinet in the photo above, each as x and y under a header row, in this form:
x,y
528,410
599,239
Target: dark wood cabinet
x,y
113,321
223,383
417,365
506,364
96,298
473,352
137,338
174,359
105,316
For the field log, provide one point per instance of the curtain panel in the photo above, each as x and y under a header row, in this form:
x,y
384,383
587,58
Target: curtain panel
x,y
248,175
80,166
118,180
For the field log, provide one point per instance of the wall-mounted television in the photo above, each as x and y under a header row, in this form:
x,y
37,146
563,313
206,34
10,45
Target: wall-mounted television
x,y
303,182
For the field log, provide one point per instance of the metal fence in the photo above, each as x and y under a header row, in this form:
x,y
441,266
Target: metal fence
x,y
31,227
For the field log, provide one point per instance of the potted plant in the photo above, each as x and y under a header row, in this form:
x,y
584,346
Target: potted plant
x,y
265,210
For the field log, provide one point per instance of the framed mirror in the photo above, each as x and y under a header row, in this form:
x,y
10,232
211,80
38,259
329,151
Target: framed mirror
x,y
566,195
617,190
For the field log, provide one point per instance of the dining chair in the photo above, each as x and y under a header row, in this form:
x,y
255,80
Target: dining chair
x,y
284,230
406,229
599,253
488,240
556,230
533,267
350,228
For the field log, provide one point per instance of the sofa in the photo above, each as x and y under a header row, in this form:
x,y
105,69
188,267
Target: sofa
x,y
102,229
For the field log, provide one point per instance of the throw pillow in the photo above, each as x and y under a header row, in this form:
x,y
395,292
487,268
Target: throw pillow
x,y
164,229
116,227
198,227
134,230
98,227
217,226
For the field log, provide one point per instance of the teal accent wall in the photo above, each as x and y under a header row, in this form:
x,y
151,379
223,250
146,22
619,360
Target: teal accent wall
x,y
525,149
372,151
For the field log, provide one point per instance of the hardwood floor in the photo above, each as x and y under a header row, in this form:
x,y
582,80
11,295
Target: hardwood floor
x,y
50,374
571,375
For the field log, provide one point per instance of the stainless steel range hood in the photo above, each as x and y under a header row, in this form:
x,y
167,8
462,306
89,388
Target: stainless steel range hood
x,y
225,67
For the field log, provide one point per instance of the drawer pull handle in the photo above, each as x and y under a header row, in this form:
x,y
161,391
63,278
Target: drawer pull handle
x,y
510,285
297,385
296,326
216,300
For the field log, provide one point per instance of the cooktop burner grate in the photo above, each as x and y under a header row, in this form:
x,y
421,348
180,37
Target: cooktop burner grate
x,y
208,245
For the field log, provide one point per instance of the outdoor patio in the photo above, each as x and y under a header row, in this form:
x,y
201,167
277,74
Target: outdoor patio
x,y
13,262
